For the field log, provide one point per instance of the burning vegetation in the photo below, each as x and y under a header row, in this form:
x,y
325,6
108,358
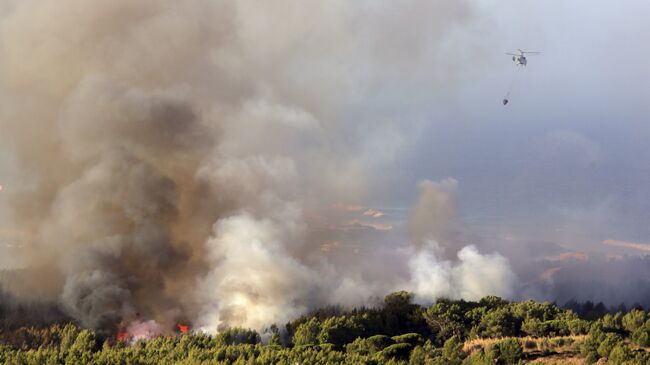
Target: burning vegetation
x,y
147,330
491,330
183,328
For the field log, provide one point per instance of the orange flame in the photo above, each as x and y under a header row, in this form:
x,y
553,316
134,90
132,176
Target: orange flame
x,y
122,336
183,328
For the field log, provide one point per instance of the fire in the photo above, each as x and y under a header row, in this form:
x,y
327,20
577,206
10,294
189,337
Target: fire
x,y
140,330
329,246
375,213
625,244
145,330
122,336
547,275
580,256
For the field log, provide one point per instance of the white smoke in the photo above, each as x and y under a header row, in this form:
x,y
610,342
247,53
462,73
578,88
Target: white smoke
x,y
144,330
471,275
254,281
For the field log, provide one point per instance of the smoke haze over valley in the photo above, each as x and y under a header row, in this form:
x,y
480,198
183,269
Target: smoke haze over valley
x,y
242,163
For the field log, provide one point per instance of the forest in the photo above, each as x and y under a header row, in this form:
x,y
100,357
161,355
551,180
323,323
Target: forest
x,y
489,331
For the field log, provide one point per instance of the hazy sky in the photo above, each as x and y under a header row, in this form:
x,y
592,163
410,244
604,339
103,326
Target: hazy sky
x,y
567,160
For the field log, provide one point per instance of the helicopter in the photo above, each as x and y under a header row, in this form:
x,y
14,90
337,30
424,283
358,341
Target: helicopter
x,y
520,58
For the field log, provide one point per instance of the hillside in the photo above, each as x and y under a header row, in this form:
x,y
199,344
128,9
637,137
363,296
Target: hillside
x,y
489,331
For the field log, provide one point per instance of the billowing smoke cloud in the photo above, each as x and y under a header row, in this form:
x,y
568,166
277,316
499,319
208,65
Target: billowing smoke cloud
x,y
432,218
472,275
254,281
180,159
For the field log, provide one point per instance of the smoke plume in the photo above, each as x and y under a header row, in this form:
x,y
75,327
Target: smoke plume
x,y
180,160
472,275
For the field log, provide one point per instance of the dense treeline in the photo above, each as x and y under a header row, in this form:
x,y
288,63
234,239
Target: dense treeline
x,y
489,331
15,314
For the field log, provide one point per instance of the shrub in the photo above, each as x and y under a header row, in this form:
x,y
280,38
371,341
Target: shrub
x,y
557,342
641,337
451,351
589,348
417,357
339,331
545,345
557,327
307,333
238,336
369,345
510,351
619,355
608,344
412,338
398,350
497,323
530,345
634,320
479,357
379,342
578,327
533,327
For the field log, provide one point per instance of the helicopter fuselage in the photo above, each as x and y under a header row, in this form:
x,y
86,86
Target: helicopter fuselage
x,y
520,60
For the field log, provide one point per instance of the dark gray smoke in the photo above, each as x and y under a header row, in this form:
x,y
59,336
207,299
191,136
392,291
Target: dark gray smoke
x,y
190,159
